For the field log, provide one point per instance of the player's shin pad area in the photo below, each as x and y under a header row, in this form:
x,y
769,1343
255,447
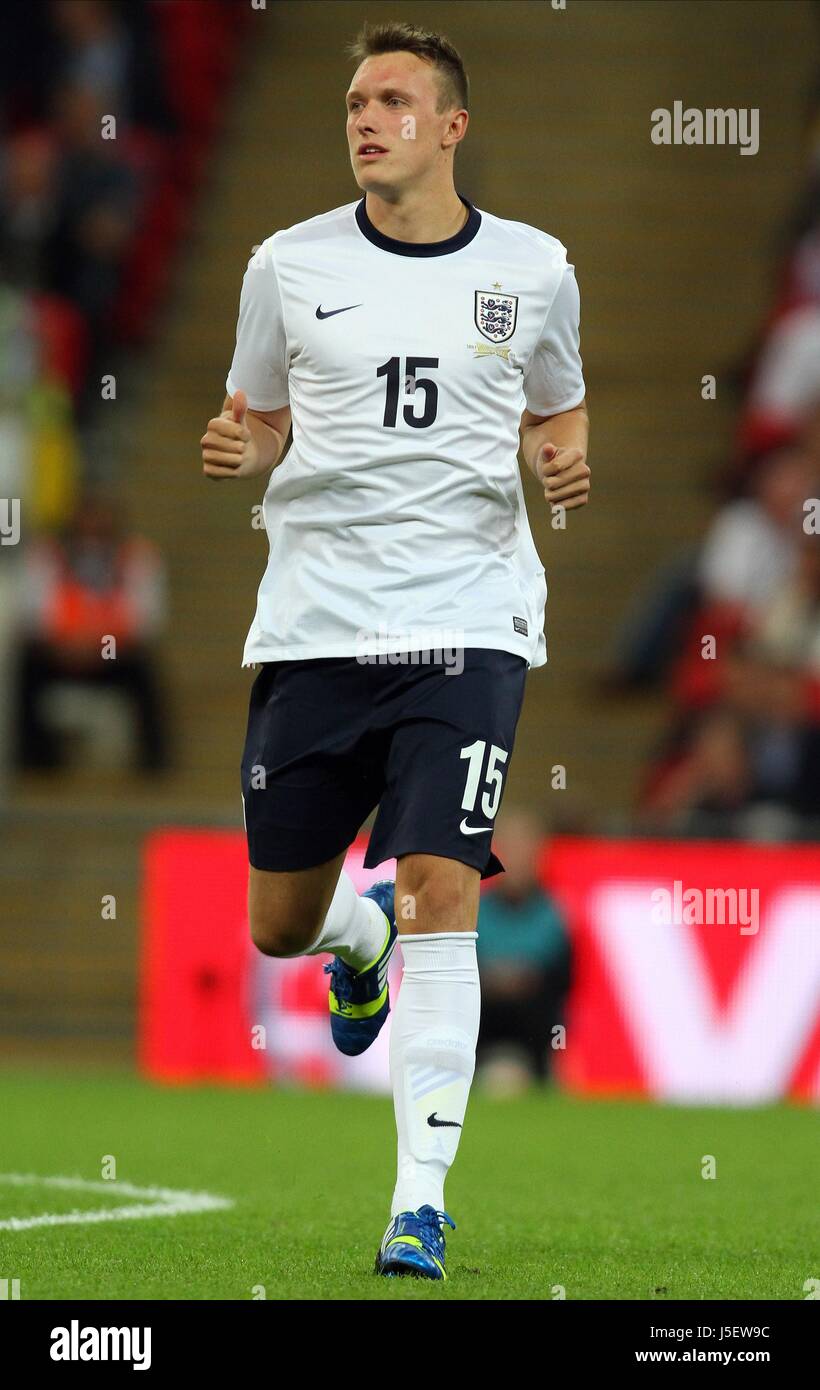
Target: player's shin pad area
x,y
604,1200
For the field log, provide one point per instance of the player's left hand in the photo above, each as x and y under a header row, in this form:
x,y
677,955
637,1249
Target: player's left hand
x,y
565,476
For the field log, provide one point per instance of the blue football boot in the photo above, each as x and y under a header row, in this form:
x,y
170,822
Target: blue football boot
x,y
359,1001
414,1244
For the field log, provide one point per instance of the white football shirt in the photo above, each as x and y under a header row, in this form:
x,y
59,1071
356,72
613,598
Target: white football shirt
x,y
396,520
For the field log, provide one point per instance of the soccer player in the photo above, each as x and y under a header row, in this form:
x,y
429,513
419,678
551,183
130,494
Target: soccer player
x,y
413,343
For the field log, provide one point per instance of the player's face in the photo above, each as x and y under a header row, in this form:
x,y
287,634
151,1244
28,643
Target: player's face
x,y
392,104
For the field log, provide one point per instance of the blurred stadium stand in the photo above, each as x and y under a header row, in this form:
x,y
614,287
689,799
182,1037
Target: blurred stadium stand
x,y
233,127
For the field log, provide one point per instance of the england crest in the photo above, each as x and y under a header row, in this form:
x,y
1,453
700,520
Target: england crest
x,y
495,315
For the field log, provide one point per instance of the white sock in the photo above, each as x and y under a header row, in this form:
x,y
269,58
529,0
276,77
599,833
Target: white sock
x,y
355,928
432,1059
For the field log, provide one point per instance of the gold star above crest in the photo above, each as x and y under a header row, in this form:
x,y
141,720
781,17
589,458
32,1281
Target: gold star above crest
x,y
497,285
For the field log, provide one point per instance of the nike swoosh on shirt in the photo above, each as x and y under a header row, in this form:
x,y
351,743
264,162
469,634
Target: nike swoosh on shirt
x,y
474,829
328,313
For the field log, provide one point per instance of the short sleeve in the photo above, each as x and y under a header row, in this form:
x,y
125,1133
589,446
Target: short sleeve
x,y
259,366
553,378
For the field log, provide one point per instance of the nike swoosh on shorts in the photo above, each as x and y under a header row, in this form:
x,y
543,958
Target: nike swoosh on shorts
x,y
474,829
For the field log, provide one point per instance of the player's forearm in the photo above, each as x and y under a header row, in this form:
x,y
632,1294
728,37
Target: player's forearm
x,y
569,430
269,443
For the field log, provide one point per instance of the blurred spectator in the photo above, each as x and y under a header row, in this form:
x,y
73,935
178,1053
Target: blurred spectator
x,y
96,50
28,210
749,550
703,779
650,635
749,553
760,745
523,950
96,203
785,385
773,682
90,584
753,543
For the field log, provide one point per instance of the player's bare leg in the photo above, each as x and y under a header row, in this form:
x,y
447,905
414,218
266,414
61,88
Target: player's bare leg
x,y
315,911
309,911
434,894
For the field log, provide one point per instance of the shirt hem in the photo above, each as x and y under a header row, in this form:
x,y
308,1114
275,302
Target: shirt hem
x,y
256,403
258,655
571,403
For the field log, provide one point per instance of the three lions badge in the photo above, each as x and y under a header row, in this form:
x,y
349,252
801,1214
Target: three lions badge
x,y
495,315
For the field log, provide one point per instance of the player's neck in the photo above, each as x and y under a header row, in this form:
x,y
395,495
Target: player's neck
x,y
419,216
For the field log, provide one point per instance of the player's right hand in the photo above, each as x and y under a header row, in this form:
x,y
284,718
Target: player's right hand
x,y
228,447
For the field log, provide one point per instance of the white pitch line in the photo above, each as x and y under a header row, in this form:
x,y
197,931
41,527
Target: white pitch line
x,y
162,1201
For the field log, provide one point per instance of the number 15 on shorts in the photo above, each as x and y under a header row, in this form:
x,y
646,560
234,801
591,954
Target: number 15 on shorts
x,y
485,769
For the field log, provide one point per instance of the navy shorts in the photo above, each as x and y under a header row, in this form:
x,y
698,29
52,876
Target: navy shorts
x,y
331,738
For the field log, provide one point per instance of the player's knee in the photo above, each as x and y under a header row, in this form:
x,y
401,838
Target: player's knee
x,y
280,934
438,901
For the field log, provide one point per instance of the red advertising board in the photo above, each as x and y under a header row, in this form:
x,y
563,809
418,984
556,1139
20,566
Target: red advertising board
x,y
697,969
696,972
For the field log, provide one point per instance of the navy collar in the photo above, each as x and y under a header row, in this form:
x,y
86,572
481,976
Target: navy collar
x,y
420,248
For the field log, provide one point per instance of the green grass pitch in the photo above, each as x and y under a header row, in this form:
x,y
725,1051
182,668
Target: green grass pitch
x,y
603,1199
